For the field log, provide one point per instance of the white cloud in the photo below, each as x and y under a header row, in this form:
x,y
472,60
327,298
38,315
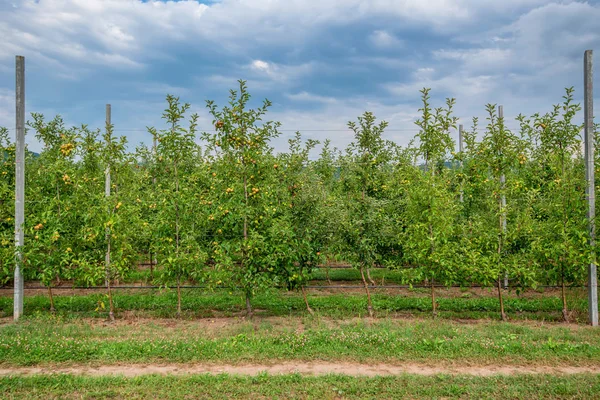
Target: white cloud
x,y
126,33
383,39
161,88
424,73
279,72
479,61
260,65
542,36
535,53
7,119
493,55
261,75
113,33
524,65
458,85
330,120
7,108
309,97
383,61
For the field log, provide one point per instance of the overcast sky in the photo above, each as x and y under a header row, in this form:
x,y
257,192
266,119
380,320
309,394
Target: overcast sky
x,y
321,62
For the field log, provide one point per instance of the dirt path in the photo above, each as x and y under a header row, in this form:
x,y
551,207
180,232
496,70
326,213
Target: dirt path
x,y
304,368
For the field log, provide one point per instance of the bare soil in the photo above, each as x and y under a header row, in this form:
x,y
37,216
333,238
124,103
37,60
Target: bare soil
x,y
338,287
290,367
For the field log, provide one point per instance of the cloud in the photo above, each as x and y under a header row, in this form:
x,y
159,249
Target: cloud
x,y
7,108
524,64
259,65
383,39
111,33
474,90
160,88
260,75
128,34
330,121
279,72
309,97
477,60
322,63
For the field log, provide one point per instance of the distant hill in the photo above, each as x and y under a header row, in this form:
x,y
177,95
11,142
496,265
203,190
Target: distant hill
x,y
33,153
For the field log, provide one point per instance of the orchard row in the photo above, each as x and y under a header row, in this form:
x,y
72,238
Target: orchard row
x,y
233,213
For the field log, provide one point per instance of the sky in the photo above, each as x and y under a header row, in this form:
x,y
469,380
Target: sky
x,y
322,63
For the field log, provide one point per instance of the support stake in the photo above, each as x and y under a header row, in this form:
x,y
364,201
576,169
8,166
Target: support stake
x,y
19,185
107,195
460,149
588,92
503,198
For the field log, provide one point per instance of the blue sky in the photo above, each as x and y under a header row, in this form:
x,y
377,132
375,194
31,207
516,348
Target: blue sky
x,y
322,63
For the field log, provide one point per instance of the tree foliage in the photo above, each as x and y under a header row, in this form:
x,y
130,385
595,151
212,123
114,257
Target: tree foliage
x,y
223,209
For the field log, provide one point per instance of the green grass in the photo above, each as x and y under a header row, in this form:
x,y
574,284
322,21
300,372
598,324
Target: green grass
x,y
319,276
351,274
59,340
198,303
298,387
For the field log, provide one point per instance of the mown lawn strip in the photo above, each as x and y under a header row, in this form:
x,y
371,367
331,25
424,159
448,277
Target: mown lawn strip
x,y
42,340
299,387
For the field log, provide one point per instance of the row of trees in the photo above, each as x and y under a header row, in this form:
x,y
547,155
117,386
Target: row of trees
x,y
231,212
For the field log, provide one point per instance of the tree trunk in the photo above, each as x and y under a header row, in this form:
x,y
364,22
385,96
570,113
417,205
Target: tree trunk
x,y
369,304
565,208
433,302
310,311
249,311
245,210
500,244
58,198
107,277
176,210
107,261
369,277
52,309
151,267
565,311
178,298
153,255
500,298
362,274
177,236
111,307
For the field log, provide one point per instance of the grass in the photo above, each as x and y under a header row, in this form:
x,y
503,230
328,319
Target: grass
x,y
145,332
54,339
298,387
198,304
389,276
318,276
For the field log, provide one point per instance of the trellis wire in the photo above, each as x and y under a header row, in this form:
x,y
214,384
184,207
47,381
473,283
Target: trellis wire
x,y
19,188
